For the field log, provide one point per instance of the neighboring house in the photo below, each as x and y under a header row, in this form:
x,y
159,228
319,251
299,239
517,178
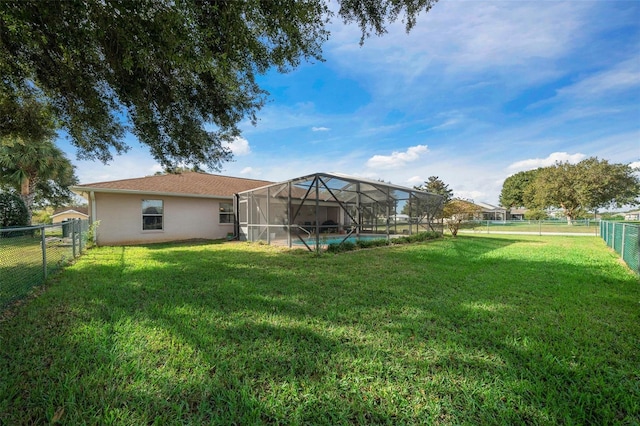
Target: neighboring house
x,y
162,208
517,213
491,212
634,215
67,213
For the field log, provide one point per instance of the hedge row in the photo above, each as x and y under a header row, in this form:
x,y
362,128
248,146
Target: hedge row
x,y
369,243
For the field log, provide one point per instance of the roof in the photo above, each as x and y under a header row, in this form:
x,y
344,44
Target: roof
x,y
488,206
184,184
82,210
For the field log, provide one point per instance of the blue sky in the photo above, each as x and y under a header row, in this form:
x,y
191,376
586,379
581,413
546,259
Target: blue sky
x,y
476,92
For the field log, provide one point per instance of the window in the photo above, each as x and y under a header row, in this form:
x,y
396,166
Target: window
x,y
152,213
226,213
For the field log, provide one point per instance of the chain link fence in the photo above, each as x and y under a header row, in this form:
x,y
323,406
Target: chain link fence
x,y
29,254
623,238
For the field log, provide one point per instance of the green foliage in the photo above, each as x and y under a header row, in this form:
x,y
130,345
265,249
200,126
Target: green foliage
x,y
380,242
417,238
90,235
43,216
38,170
456,212
535,214
521,330
612,216
24,117
513,188
603,184
13,212
436,186
339,248
589,185
181,74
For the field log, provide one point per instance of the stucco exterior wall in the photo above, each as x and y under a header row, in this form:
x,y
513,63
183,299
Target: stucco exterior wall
x,y
120,217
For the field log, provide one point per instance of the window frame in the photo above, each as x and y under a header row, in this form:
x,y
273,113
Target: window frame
x,y
229,214
160,215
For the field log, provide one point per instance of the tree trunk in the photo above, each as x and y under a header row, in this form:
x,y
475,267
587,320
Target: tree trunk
x,y
27,194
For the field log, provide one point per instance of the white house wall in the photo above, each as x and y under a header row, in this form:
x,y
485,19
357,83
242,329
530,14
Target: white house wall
x,y
120,217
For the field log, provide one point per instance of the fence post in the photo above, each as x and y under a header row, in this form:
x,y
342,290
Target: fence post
x,y
73,237
43,244
624,232
80,223
638,250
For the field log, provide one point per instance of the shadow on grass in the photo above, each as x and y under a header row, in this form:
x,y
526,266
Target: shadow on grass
x,y
457,331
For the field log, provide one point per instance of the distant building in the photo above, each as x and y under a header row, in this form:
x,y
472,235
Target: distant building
x,y
634,215
491,212
66,213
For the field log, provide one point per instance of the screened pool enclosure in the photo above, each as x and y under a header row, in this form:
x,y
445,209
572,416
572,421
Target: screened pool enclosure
x,y
313,210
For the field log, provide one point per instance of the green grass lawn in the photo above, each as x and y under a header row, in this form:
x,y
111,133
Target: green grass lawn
x,y
21,262
497,329
534,227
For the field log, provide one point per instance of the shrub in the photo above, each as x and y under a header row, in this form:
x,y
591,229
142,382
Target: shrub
x,y
369,243
339,248
13,211
416,238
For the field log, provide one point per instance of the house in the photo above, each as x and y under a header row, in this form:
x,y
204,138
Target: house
x,y
67,213
634,215
161,208
517,213
491,212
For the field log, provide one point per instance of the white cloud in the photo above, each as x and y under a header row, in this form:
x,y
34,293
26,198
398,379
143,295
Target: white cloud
x,y
464,36
623,76
635,164
415,179
448,123
246,171
553,158
397,158
240,146
470,195
320,129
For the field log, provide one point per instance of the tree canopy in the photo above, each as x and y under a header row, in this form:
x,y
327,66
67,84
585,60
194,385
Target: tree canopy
x,y
435,185
180,75
13,212
589,185
513,188
37,170
457,211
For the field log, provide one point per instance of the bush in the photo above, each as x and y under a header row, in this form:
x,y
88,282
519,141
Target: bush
x,y
13,211
369,243
416,238
339,248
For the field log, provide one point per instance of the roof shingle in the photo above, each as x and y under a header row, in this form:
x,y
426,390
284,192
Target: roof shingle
x,y
187,183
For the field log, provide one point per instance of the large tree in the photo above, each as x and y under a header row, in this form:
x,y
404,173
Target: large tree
x,y
180,75
589,185
435,185
37,170
513,188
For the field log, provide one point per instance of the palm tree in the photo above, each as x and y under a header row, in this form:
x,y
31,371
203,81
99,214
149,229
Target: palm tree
x,y
36,169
